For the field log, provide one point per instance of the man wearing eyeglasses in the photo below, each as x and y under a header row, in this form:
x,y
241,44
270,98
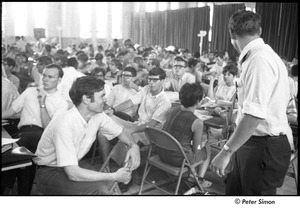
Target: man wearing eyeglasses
x,y
154,104
178,76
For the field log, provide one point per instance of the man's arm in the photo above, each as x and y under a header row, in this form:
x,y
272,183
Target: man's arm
x,y
10,113
76,173
243,132
133,153
124,106
141,127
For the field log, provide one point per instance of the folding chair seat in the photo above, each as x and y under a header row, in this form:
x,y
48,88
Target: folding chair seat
x,y
117,154
164,140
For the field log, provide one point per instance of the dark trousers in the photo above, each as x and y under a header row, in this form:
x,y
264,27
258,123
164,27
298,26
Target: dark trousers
x,y
259,166
29,138
54,181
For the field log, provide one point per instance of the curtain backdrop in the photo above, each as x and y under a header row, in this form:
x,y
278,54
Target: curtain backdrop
x,y
220,40
172,27
280,27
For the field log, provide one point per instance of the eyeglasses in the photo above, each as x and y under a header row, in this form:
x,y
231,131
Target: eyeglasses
x,y
178,66
126,75
153,79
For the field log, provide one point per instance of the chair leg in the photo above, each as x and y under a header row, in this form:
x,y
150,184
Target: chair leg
x,y
146,171
178,182
94,152
295,169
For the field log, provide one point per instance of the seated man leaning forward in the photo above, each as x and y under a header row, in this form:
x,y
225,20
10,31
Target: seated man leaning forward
x,y
68,138
154,104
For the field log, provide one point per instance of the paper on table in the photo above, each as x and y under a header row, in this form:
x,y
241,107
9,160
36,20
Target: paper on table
x,y
8,141
202,116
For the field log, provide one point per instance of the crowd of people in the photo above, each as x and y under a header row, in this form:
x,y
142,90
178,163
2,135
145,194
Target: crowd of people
x,y
60,101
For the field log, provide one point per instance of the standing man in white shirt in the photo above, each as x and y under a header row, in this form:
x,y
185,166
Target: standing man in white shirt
x,y
259,143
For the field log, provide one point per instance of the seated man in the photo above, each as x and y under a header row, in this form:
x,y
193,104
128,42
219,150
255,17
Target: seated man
x,y
68,138
115,67
224,92
122,92
9,95
37,107
99,73
99,62
154,104
178,76
119,94
187,128
8,65
37,70
84,66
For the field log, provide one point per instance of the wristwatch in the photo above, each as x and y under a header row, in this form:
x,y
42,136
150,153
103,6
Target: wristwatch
x,y
227,148
43,106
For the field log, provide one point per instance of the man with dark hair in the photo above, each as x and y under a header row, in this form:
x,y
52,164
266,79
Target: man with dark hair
x,y
99,62
115,67
119,94
8,65
259,143
154,104
84,66
178,76
69,137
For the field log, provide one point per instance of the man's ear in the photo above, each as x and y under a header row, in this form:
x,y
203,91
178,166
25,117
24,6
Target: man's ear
x,y
85,99
260,31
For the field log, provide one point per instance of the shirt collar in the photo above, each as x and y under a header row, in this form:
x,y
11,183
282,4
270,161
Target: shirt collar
x,y
155,96
77,114
245,52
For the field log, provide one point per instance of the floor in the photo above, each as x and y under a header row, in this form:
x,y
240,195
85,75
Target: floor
x,y
160,178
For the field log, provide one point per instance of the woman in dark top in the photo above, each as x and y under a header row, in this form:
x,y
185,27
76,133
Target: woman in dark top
x,y
187,129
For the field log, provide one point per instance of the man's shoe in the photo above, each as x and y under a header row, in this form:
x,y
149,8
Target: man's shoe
x,y
204,183
125,187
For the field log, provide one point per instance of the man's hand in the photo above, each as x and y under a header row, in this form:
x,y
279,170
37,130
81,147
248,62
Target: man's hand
x,y
133,85
122,175
109,112
133,158
41,96
220,162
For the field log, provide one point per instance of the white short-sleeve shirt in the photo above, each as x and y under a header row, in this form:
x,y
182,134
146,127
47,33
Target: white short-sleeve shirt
x,y
151,107
68,137
27,103
120,94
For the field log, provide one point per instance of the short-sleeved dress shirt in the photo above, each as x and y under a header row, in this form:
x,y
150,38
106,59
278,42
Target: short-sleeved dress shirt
x,y
68,137
27,103
152,107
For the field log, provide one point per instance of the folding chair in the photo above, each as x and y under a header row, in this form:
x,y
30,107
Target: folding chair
x,y
119,114
220,123
117,154
294,157
163,139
